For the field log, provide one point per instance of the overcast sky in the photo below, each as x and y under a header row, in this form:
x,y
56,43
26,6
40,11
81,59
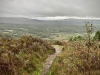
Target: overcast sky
x,y
50,8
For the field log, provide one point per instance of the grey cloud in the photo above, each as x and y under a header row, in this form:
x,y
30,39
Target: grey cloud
x,y
50,8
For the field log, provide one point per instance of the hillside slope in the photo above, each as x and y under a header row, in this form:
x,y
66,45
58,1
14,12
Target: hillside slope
x,y
23,56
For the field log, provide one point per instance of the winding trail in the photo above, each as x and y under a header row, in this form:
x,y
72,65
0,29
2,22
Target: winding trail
x,y
50,59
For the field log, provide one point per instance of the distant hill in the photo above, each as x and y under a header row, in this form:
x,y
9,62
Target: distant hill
x,y
15,20
12,26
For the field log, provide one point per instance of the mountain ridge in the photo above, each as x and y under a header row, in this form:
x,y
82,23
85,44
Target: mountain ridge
x,y
18,20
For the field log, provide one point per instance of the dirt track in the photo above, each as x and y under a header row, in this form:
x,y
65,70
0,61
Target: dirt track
x,y
50,60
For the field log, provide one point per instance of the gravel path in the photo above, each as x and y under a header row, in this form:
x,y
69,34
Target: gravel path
x,y
50,60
